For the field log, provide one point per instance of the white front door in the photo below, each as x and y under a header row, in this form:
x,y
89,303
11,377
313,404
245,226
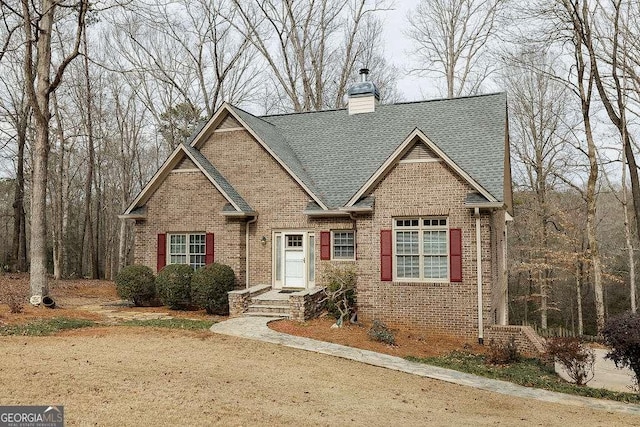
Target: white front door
x,y
294,260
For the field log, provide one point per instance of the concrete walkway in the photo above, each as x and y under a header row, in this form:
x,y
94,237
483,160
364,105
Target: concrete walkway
x,y
256,328
606,374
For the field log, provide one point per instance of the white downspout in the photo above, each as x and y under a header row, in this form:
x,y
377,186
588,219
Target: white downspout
x,y
476,214
246,255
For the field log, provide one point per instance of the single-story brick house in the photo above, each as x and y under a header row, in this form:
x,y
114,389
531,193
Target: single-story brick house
x,y
415,194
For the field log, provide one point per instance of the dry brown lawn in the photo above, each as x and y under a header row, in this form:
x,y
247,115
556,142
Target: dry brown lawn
x,y
119,376
125,376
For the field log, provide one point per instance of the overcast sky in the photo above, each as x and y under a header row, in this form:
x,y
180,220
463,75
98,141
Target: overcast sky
x,y
397,48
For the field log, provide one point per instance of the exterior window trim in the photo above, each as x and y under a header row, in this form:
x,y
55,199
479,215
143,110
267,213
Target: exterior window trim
x,y
420,228
187,247
333,257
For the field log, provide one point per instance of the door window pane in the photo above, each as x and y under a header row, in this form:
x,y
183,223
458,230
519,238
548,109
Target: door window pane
x,y
278,257
294,240
312,258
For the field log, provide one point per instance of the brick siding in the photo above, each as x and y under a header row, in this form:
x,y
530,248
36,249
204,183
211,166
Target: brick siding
x,y
188,202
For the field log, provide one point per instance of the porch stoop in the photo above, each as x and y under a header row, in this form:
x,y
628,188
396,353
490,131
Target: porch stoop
x,y
261,300
270,304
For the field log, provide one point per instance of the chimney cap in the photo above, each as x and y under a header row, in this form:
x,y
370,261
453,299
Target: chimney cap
x,y
364,89
364,71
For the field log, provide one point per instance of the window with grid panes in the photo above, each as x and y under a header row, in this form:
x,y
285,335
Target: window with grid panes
x,y
344,245
421,249
187,249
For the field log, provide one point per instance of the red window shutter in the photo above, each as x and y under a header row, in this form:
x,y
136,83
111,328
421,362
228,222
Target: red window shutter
x,y
386,256
455,254
325,245
162,251
209,249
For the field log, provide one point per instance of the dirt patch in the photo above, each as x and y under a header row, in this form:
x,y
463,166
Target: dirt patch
x,y
122,376
408,342
69,295
95,300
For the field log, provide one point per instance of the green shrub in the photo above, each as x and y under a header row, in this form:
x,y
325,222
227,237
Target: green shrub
x,y
340,292
622,334
381,333
209,287
576,358
136,283
503,352
174,286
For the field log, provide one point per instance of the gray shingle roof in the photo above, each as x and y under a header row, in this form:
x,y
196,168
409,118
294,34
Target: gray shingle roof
x,y
274,138
475,198
334,153
219,179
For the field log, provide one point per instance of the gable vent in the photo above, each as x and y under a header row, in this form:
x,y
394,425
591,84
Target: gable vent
x,y
229,122
185,163
419,152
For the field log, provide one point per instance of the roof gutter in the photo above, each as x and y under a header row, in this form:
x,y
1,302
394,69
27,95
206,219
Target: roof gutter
x,y
133,216
485,205
237,214
325,213
340,212
476,214
357,209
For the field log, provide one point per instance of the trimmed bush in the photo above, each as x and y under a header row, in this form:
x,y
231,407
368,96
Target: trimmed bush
x,y
576,358
209,287
381,333
503,352
174,286
622,334
136,283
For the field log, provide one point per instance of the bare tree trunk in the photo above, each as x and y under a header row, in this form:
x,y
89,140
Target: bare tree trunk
x,y
39,88
627,237
59,204
592,239
19,216
87,228
579,298
95,259
579,15
617,117
543,300
39,96
122,245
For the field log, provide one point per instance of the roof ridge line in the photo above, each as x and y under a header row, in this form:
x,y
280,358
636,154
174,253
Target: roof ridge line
x,y
252,115
423,101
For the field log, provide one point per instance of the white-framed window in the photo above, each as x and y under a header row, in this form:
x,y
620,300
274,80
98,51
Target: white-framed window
x,y
187,249
421,249
343,245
